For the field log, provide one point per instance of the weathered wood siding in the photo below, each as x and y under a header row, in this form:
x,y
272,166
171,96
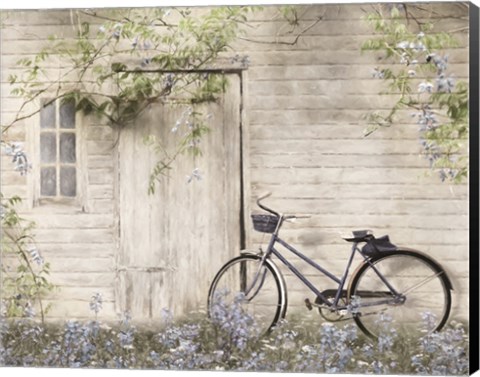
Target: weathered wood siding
x,y
303,105
79,241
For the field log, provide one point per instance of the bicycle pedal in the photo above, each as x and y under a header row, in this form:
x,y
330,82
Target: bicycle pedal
x,y
308,304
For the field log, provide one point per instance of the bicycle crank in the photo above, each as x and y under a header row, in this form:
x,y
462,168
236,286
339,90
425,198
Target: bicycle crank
x,y
328,313
333,314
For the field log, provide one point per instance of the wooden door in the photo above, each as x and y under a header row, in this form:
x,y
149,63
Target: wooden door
x,y
173,242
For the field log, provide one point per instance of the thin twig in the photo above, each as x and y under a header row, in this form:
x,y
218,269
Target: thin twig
x,y
294,42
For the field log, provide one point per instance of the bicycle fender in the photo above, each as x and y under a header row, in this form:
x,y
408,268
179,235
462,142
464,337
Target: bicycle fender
x,y
276,270
437,266
269,262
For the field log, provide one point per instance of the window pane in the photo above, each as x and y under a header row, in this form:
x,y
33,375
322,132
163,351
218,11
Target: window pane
x,y
47,116
48,182
67,115
67,147
48,147
68,181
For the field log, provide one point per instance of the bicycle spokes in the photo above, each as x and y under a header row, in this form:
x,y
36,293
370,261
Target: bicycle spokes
x,y
424,289
423,282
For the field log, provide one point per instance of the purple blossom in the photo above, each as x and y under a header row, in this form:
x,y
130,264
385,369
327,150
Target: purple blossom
x,y
35,255
19,157
425,87
96,303
378,74
445,84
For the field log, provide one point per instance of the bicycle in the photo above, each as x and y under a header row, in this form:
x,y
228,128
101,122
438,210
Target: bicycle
x,y
400,282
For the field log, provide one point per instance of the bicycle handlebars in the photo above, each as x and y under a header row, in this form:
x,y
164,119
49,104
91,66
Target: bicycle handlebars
x,y
264,207
264,196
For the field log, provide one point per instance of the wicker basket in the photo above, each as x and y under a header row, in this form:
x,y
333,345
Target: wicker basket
x,y
265,223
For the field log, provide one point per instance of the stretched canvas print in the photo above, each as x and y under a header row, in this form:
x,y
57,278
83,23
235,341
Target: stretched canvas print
x,y
278,188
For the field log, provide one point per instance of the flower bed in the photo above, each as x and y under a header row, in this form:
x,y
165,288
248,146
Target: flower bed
x,y
228,341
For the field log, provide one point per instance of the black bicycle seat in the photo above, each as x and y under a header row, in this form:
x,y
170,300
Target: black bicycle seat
x,y
360,236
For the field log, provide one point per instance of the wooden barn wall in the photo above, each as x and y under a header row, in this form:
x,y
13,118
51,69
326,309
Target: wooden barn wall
x,y
79,241
306,104
303,108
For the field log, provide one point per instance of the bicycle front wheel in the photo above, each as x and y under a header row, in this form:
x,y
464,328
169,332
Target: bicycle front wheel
x,y
244,288
423,290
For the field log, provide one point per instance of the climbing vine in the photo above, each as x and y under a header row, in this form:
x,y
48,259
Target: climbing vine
x,y
24,273
419,77
122,62
111,66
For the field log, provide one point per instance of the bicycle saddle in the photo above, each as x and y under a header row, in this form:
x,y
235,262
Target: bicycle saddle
x,y
360,236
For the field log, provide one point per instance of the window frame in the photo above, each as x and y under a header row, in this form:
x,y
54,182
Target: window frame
x,y
63,202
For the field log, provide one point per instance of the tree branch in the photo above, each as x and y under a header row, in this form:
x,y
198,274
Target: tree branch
x,y
294,42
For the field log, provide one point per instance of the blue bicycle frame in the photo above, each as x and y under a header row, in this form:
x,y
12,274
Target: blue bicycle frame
x,y
340,281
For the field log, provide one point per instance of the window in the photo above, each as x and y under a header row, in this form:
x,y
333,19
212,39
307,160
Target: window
x,y
58,150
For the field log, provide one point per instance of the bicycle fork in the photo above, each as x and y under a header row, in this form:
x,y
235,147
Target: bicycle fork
x,y
259,274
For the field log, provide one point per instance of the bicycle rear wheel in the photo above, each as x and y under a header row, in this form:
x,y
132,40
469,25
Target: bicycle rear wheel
x,y
422,283
244,288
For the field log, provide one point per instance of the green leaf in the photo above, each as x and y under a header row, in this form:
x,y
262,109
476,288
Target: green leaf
x,y
118,67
